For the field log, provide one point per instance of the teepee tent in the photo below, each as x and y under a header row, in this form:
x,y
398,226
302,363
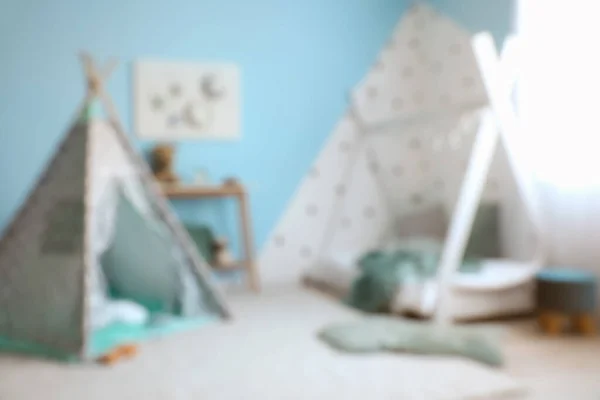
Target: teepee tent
x,y
95,257
396,166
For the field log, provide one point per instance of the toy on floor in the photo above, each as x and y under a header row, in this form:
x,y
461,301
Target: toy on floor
x,y
214,249
566,295
119,353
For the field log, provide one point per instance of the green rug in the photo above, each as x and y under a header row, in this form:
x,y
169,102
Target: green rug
x,y
377,334
105,339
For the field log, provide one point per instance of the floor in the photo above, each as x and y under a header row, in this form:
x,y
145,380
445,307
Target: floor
x,y
553,368
269,351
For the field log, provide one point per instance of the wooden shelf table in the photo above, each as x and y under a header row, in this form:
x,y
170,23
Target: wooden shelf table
x,y
237,191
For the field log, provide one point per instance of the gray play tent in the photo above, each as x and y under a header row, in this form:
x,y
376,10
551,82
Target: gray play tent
x,y
95,258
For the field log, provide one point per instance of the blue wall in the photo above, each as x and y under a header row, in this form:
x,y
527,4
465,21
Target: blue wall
x,y
299,59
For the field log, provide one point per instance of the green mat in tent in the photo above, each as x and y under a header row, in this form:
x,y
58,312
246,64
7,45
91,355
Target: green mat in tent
x,y
105,339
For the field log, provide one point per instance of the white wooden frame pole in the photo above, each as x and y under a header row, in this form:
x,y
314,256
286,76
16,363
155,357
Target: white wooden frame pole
x,y
500,116
499,94
464,213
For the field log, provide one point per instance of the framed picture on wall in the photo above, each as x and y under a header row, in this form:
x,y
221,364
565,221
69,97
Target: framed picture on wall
x,y
183,100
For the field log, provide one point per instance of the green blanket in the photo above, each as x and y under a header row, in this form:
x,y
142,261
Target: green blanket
x,y
376,334
383,271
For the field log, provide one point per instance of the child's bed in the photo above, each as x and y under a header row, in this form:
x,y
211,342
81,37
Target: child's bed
x,y
499,288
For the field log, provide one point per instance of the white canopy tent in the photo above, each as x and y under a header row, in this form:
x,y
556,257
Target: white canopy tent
x,y
496,121
430,107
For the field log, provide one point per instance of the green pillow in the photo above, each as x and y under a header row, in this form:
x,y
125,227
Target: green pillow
x,y
140,264
396,335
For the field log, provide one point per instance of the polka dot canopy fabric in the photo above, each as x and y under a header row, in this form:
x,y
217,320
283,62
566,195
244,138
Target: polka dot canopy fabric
x,y
402,146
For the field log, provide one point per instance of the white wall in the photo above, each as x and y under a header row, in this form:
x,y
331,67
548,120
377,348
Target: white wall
x,y
559,102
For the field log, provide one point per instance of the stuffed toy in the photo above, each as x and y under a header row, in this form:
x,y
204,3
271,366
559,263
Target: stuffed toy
x,y
222,257
214,249
162,163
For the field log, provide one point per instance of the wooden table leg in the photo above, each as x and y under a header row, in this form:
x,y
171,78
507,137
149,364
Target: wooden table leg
x,y
585,324
552,323
246,232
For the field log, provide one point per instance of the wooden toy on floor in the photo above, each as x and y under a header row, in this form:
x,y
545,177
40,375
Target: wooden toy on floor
x,y
566,298
119,353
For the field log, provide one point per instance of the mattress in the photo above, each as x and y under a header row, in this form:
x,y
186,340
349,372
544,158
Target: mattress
x,y
500,288
496,274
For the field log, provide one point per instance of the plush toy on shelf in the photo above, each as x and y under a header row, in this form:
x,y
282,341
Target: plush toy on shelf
x,y
162,157
231,182
222,257
214,249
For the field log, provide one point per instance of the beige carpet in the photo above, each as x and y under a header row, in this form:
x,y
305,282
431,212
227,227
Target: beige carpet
x,y
268,352
553,368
